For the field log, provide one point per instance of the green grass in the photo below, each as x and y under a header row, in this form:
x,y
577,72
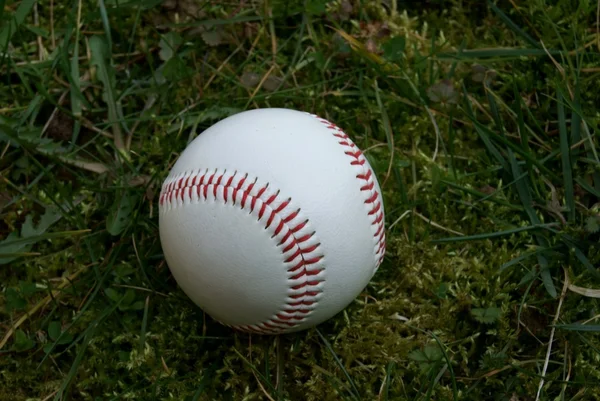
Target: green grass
x,y
479,117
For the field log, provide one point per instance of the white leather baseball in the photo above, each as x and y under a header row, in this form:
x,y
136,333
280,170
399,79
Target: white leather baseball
x,y
272,221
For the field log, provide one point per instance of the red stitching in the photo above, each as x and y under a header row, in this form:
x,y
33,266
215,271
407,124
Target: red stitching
x,y
272,198
180,188
372,198
270,219
297,266
282,317
375,209
294,256
211,178
310,248
289,247
304,273
308,303
278,230
305,237
298,310
365,177
262,211
306,283
286,236
282,206
241,183
355,154
368,186
313,260
291,217
309,293
299,227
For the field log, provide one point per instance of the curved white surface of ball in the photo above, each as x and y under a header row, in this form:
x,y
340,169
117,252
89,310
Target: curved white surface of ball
x,y
271,221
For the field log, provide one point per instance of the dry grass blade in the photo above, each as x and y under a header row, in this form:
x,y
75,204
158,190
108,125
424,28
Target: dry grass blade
x,y
105,72
551,340
76,96
388,133
436,225
587,292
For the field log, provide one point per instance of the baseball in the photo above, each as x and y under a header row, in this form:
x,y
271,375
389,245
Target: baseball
x,y
272,221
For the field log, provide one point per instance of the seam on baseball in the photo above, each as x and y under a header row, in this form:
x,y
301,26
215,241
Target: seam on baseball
x,y
372,198
291,231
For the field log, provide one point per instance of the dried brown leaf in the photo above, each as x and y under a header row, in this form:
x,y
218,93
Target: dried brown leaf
x,y
443,92
213,37
250,79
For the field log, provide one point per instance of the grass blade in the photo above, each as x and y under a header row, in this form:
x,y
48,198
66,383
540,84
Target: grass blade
x,y
523,189
206,377
60,395
37,238
449,364
256,371
17,19
579,327
513,27
144,326
482,196
507,53
576,113
586,263
445,355
565,152
592,154
491,148
105,24
355,393
525,196
494,109
587,187
100,58
523,132
76,95
547,278
519,259
390,140
528,156
492,235
388,379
